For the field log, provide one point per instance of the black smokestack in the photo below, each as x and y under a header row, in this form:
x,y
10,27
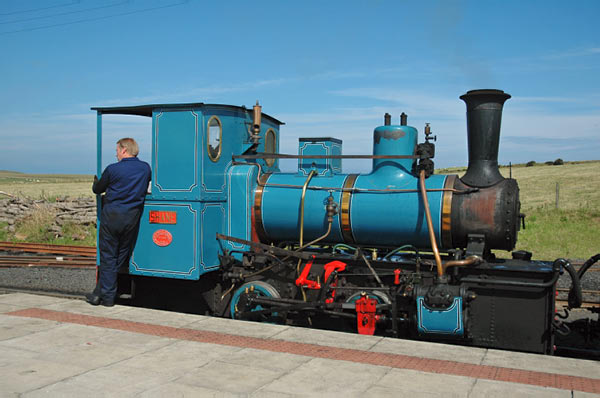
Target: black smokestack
x,y
484,114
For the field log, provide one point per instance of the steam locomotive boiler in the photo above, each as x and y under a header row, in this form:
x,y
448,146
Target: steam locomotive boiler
x,y
399,251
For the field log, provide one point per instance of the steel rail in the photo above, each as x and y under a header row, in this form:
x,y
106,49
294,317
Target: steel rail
x,y
87,251
564,289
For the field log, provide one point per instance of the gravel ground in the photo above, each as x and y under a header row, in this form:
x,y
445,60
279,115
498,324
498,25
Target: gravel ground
x,y
62,280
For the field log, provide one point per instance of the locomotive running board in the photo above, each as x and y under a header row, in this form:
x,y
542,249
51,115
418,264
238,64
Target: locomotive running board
x,y
261,247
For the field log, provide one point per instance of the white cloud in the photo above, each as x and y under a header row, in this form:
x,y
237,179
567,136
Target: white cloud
x,y
574,52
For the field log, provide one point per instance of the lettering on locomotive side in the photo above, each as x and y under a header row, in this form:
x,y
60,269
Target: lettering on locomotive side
x,y
163,217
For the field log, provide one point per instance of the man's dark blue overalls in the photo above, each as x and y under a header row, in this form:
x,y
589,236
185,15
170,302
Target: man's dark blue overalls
x,y
125,184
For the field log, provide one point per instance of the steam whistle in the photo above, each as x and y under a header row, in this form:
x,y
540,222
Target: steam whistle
x,y
257,112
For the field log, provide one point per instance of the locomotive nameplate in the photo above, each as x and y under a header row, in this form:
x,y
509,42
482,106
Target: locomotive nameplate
x,y
163,217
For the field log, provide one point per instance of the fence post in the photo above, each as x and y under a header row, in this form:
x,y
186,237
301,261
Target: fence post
x,y
557,189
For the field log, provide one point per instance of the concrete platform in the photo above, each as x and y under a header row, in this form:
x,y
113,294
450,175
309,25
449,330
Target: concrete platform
x,y
68,348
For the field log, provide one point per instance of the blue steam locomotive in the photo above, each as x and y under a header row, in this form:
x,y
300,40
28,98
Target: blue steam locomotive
x,y
399,251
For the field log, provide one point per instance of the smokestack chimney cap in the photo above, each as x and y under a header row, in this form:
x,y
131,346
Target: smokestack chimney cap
x,y
498,95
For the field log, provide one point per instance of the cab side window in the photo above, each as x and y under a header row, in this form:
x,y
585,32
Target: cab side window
x,y
214,132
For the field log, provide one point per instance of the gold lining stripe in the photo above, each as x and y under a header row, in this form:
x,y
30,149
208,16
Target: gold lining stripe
x,y
258,196
447,213
346,200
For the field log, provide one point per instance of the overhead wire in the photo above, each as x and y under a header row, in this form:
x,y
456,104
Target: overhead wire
x,y
94,18
65,13
39,9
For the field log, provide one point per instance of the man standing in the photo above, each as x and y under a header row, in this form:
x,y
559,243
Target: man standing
x,y
125,183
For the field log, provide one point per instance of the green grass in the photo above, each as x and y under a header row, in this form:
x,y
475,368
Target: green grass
x,y
552,233
45,186
4,234
36,228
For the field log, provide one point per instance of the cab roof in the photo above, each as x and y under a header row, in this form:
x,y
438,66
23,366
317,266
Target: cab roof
x,y
146,110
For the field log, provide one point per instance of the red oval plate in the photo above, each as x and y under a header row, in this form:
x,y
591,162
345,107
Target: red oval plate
x,y
162,237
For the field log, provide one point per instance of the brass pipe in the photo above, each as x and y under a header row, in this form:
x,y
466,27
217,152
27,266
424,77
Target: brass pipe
x,y
434,247
318,239
310,176
471,260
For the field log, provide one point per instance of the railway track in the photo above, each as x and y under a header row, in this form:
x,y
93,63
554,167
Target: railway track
x,y
46,255
84,251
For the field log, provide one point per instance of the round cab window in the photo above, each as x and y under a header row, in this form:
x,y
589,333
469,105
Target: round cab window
x,y
270,146
214,133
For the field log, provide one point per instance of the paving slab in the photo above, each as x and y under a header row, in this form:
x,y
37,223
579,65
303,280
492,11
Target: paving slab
x,y
15,326
229,377
87,347
156,317
425,349
543,363
176,389
328,338
266,359
150,353
413,383
116,380
500,389
27,374
82,307
4,308
325,376
240,328
179,358
29,300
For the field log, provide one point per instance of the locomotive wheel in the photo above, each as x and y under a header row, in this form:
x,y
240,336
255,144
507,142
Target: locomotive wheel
x,y
263,289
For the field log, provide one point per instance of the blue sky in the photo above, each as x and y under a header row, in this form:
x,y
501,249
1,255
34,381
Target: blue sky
x,y
325,68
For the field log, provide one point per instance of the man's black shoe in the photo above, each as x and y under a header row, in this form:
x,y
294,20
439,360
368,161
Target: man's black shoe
x,y
92,299
107,303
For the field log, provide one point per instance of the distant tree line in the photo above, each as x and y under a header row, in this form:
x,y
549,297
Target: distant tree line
x,y
557,162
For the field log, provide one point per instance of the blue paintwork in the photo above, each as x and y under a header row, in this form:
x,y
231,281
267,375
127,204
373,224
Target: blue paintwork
x,y
281,207
208,196
394,140
319,146
181,258
403,220
242,180
448,321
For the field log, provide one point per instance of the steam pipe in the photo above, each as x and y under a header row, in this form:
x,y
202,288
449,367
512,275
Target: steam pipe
x,y
575,294
310,176
471,260
591,261
434,247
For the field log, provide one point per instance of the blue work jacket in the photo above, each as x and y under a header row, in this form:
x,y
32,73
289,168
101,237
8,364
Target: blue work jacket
x,y
125,183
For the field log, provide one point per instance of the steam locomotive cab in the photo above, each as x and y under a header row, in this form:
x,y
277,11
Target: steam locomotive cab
x,y
399,251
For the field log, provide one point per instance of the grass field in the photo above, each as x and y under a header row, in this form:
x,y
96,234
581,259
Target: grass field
x,y
48,186
571,230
